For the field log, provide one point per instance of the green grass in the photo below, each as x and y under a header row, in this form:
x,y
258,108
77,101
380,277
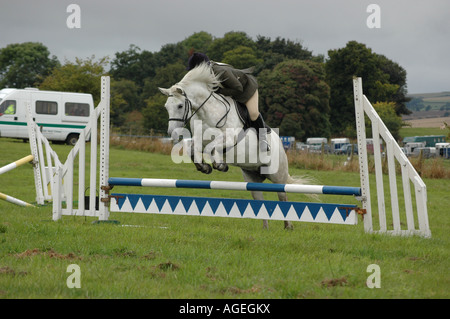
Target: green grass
x,y
161,256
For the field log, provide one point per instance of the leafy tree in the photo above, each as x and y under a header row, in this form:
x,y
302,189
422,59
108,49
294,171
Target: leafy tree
x,y
230,41
135,65
198,42
397,77
290,126
117,106
415,104
165,77
172,53
274,52
386,111
289,93
241,57
287,48
25,64
155,114
167,66
295,98
129,90
82,76
124,100
383,80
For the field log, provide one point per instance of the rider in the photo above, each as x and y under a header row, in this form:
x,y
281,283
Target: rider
x,y
240,85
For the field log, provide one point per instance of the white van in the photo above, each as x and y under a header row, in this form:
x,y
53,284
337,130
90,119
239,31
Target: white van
x,y
338,143
61,115
316,140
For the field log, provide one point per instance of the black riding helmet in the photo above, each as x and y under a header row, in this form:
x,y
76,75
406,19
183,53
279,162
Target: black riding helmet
x,y
196,59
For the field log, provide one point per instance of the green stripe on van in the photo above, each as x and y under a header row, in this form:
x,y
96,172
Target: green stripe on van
x,y
44,124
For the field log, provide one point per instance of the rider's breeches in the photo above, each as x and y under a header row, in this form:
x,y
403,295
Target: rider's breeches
x,y
252,106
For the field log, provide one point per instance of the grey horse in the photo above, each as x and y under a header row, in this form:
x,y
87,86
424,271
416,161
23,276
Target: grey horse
x,y
194,100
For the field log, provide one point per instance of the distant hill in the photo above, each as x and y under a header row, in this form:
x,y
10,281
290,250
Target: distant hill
x,y
428,105
442,95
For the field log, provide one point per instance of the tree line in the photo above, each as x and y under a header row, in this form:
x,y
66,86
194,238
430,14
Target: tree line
x,y
302,94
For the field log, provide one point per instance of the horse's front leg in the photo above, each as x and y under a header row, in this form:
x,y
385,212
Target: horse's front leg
x,y
216,149
197,158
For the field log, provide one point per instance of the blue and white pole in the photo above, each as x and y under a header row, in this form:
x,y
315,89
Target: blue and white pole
x,y
243,186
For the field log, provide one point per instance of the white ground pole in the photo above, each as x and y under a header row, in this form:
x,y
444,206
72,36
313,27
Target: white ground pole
x,y
10,167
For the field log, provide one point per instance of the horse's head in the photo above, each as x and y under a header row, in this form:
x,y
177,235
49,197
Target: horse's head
x,y
200,83
176,107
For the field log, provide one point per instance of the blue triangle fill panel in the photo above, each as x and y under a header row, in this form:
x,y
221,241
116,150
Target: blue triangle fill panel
x,y
228,205
214,203
133,200
346,212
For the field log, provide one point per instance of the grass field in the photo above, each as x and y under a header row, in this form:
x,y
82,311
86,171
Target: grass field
x,y
149,256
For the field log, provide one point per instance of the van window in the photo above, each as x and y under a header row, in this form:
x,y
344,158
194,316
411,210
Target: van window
x,y
46,107
8,107
76,109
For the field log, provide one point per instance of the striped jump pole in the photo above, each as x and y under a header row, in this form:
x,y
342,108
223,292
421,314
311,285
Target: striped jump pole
x,y
15,164
243,186
14,200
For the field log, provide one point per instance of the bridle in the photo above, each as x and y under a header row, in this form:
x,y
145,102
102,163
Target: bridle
x,y
188,108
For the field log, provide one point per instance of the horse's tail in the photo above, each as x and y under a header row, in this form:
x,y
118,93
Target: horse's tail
x,y
303,180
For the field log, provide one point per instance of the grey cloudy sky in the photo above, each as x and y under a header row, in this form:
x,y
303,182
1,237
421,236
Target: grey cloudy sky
x,y
413,33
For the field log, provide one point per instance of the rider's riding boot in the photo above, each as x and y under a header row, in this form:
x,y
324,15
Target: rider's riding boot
x,y
262,134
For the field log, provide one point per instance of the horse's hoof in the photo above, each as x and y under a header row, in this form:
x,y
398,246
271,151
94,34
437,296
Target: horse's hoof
x,y
221,167
206,169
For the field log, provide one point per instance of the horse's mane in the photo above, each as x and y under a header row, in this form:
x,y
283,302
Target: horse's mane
x,y
203,74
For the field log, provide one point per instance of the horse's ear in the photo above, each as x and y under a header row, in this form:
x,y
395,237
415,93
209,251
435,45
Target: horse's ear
x,y
180,91
164,91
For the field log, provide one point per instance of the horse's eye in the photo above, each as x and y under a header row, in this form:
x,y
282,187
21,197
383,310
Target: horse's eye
x,y
180,106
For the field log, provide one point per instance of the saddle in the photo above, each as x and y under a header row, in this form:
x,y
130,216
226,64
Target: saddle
x,y
244,116
242,111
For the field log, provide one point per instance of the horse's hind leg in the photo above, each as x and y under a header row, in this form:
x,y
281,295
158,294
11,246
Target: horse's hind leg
x,y
283,198
259,196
